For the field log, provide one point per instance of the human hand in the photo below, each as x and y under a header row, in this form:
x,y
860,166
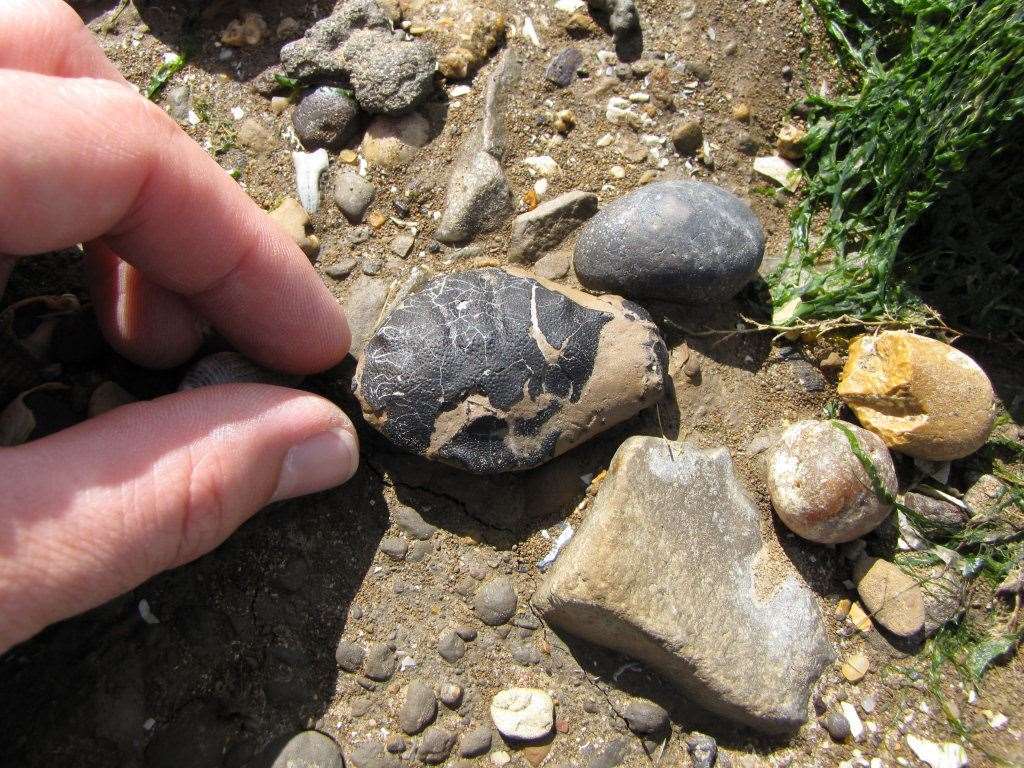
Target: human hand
x,y
92,511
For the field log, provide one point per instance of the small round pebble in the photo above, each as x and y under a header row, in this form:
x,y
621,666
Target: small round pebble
x,y
326,117
476,742
436,745
450,646
349,655
819,487
643,716
495,601
381,662
451,695
836,725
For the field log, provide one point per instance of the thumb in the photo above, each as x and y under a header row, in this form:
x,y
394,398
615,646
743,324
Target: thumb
x,y
90,512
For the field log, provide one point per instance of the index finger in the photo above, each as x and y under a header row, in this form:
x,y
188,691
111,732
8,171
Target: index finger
x,y
85,159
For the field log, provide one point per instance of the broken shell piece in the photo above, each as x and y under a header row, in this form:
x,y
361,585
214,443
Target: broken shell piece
x,y
563,538
232,368
36,413
308,168
779,170
31,322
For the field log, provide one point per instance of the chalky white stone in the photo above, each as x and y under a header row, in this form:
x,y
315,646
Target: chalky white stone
x,y
523,713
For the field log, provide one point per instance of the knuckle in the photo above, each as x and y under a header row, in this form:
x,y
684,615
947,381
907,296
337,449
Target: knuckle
x,y
205,509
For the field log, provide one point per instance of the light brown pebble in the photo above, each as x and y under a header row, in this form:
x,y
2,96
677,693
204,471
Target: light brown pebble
x,y
922,397
855,667
893,597
741,112
376,219
843,609
860,620
347,156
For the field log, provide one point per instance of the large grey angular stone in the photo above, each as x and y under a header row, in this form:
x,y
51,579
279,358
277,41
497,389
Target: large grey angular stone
x,y
683,241
478,199
669,567
536,232
494,370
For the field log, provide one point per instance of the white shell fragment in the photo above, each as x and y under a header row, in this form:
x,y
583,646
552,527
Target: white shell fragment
x,y
308,168
946,755
545,165
779,170
563,538
147,613
856,725
570,6
529,32
523,713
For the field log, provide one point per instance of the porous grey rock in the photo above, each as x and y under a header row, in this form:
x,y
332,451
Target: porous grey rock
x,y
381,662
643,716
318,53
495,601
349,655
478,198
494,370
394,547
561,70
310,749
682,241
476,742
353,195
673,521
419,708
536,232
326,117
388,76
450,646
436,745
364,310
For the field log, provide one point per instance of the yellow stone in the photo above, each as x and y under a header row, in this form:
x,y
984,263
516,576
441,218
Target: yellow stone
x,y
855,667
843,608
293,219
858,618
741,112
347,156
922,397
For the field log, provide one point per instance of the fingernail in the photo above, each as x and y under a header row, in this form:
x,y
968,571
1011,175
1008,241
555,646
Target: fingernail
x,y
320,462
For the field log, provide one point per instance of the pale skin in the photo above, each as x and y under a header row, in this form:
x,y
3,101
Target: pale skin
x,y
93,511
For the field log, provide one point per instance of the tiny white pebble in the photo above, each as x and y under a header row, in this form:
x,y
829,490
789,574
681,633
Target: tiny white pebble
x,y
617,172
237,112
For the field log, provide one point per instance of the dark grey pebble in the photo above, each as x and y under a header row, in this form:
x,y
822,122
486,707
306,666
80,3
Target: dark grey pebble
x,y
349,655
381,662
326,117
476,742
837,725
643,716
419,708
307,748
703,750
561,70
495,601
466,633
683,241
526,655
436,745
394,547
612,755
410,521
450,646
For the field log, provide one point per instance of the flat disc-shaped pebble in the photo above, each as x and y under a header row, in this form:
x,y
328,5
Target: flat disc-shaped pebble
x,y
682,241
495,371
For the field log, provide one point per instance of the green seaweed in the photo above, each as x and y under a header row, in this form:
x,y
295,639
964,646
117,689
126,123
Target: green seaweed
x,y
940,85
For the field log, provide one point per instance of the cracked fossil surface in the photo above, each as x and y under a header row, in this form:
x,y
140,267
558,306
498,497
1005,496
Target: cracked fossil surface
x,y
494,370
